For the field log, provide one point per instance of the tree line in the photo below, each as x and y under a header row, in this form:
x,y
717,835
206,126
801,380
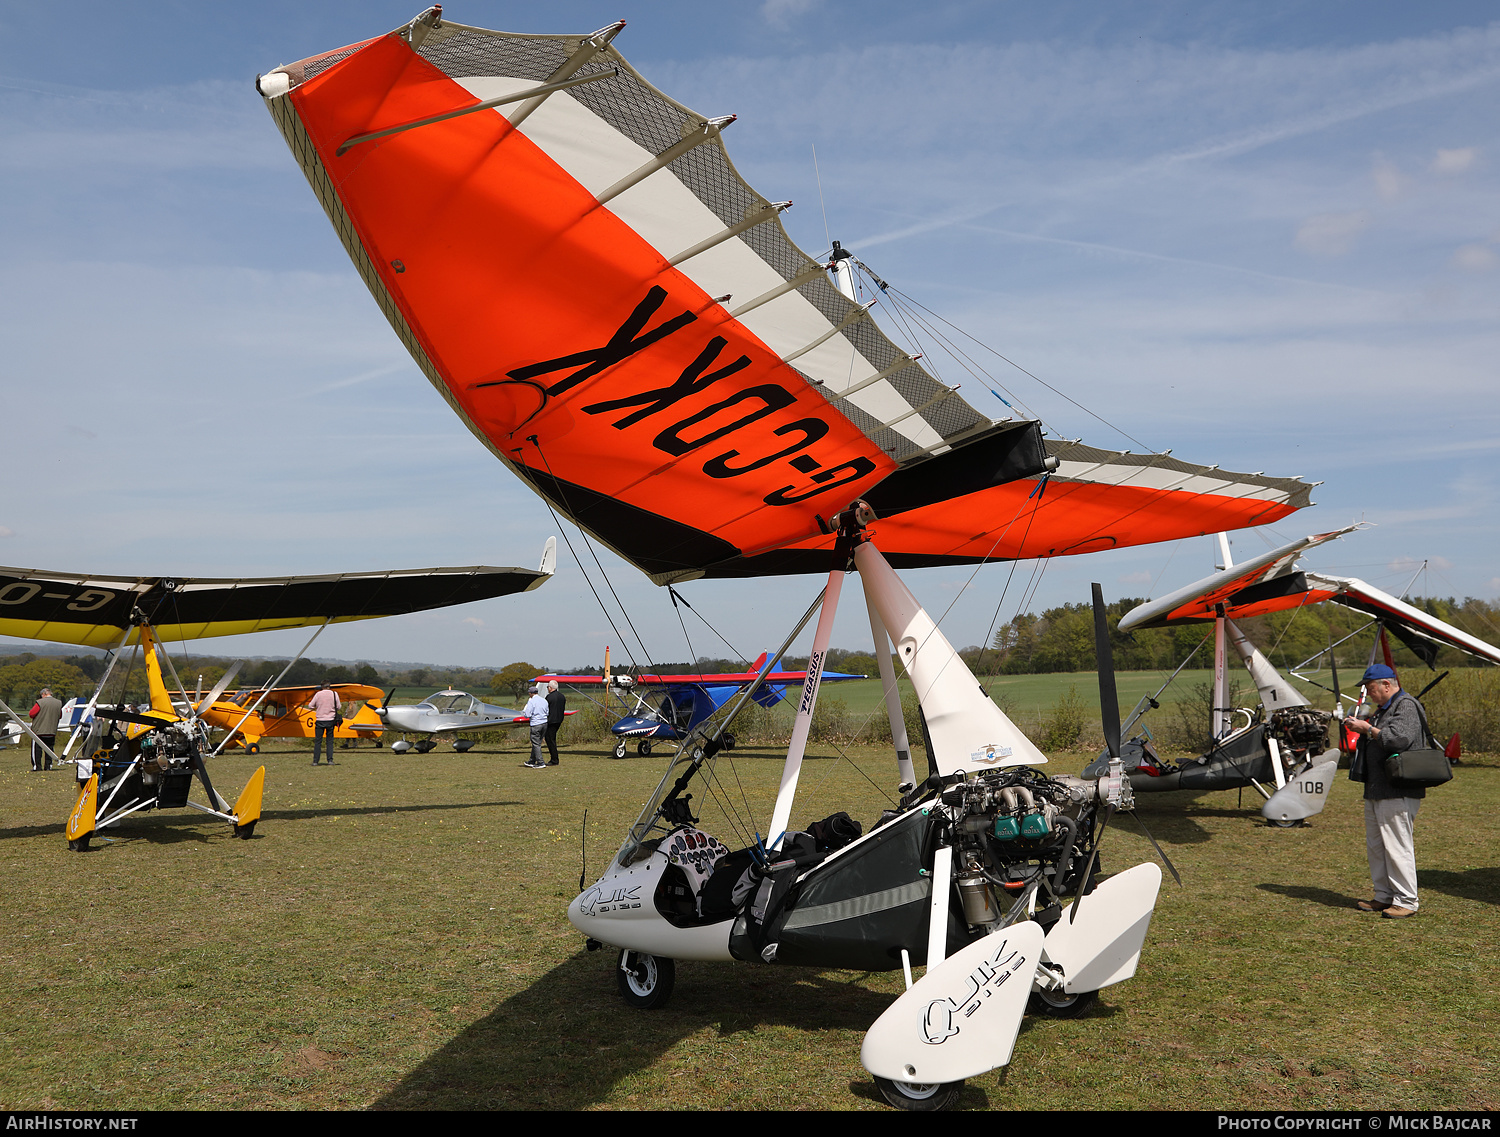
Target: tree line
x,y
1062,639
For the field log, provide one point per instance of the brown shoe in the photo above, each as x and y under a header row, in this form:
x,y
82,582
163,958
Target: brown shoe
x,y
1394,913
1371,906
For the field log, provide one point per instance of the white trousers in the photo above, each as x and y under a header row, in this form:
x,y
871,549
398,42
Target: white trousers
x,y
1393,855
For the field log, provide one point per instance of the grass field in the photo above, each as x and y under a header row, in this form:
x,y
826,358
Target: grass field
x,y
394,937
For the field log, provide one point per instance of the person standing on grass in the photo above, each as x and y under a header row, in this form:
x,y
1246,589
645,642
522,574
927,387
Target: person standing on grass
x,y
557,705
325,707
536,711
1390,810
45,715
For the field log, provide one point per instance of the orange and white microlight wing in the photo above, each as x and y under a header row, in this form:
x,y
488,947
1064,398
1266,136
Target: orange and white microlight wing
x,y
576,265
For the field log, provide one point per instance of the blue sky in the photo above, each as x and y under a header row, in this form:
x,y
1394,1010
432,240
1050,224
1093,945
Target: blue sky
x,y
1265,236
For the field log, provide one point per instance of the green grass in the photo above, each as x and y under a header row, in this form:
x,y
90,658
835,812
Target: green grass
x,y
395,937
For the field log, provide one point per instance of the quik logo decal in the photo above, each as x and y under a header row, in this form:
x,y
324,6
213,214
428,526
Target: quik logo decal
x,y
599,900
941,1020
703,426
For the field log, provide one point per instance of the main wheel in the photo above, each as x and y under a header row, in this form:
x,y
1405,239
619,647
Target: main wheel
x,y
1296,823
643,748
253,748
244,831
620,749
728,741
920,1097
80,844
645,980
1060,1004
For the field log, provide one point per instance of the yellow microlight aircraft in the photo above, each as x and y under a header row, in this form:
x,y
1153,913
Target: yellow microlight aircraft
x,y
148,759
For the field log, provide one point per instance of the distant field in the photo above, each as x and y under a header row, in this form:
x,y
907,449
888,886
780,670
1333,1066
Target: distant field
x,y
1029,695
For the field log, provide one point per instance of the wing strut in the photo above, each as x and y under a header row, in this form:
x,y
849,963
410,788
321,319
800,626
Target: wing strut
x,y
893,708
256,705
792,770
88,712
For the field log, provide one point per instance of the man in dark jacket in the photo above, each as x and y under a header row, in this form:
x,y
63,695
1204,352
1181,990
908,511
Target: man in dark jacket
x,y
1390,810
557,704
45,716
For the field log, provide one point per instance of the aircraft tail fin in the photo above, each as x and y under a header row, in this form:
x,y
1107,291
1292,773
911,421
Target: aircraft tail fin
x,y
548,565
760,661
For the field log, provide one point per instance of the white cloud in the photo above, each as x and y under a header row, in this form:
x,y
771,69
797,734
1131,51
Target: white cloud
x,y
1451,162
781,13
1473,258
475,620
1390,182
4,532
1331,234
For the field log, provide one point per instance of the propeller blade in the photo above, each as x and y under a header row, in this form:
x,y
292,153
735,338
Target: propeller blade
x,y
130,716
1109,701
385,702
1160,852
220,687
1088,869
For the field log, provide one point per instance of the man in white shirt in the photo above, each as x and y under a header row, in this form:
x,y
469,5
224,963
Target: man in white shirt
x,y
536,711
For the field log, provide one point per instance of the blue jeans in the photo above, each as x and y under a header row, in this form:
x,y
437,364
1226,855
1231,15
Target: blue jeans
x,y
321,731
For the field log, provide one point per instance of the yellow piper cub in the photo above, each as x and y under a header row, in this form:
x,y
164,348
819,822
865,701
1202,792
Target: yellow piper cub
x,y
148,760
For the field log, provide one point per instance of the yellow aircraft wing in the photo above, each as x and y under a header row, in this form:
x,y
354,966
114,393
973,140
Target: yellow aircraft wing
x,y
95,610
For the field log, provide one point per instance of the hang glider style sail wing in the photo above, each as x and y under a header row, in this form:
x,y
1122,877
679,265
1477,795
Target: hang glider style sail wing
x,y
1424,634
96,610
1270,582
575,264
1274,582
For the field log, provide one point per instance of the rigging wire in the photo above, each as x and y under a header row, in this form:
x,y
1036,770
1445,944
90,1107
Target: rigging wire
x,y
963,358
693,654
1022,370
739,655
827,236
535,441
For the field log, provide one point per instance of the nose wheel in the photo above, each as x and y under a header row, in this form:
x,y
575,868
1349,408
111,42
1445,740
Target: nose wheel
x,y
1059,1004
919,1097
645,980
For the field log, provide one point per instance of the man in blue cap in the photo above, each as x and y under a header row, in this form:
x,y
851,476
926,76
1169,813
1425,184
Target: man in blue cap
x,y
1397,724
